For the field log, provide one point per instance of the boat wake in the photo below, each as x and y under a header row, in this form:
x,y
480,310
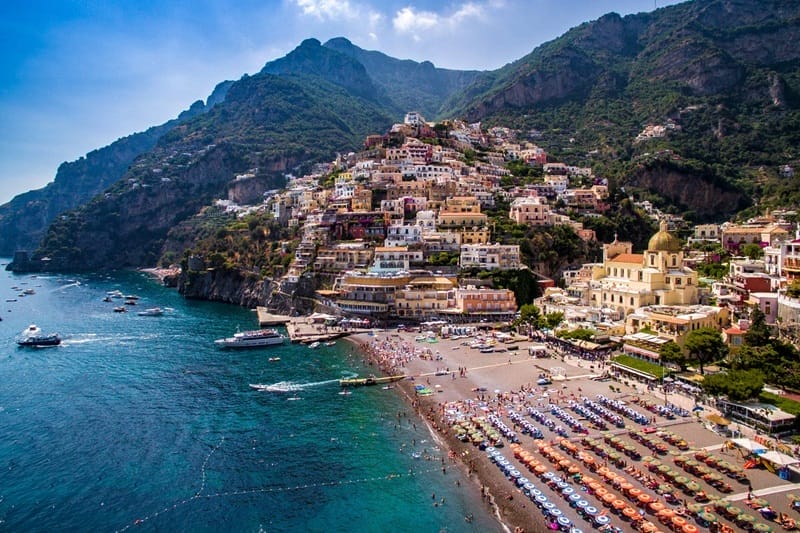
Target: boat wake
x,y
292,386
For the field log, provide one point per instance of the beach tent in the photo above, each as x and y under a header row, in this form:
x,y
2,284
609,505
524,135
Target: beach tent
x,y
778,458
749,445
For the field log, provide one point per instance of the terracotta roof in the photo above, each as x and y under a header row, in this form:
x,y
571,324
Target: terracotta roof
x,y
628,258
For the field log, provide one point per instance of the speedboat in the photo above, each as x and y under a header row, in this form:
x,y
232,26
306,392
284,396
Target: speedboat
x,y
314,345
252,339
153,311
330,343
120,309
33,336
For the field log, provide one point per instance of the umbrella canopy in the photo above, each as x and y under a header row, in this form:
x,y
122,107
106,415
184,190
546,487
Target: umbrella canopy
x,y
707,517
759,502
695,508
648,459
689,528
664,469
746,518
693,486
761,526
644,498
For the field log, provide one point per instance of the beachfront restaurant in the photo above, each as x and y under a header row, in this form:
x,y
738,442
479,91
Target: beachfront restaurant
x,y
761,416
620,372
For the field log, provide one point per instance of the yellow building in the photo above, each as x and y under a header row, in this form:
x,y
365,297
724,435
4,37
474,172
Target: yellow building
x,y
627,281
425,297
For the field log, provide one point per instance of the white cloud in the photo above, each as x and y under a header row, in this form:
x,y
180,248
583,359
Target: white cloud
x,y
328,9
417,22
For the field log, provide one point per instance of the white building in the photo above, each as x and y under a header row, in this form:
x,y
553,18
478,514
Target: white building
x,y
490,256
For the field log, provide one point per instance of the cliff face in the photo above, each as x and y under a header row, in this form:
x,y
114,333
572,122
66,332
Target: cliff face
x,y
690,189
224,286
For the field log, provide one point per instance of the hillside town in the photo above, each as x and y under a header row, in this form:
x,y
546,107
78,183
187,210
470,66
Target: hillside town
x,y
399,234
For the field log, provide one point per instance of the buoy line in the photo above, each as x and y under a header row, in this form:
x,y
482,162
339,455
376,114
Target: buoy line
x,y
263,490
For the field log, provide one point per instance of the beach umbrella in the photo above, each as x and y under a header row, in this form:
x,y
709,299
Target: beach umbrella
x,y
695,508
549,505
793,497
648,459
630,512
566,491
563,521
602,520
689,528
745,518
664,469
709,518
644,498
618,504
761,526
555,511
582,504
759,502
678,521
590,510
575,497
693,486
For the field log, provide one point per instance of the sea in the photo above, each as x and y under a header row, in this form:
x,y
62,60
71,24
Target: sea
x,y
138,422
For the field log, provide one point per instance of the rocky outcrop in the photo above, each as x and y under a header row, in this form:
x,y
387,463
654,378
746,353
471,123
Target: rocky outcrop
x,y
228,286
690,189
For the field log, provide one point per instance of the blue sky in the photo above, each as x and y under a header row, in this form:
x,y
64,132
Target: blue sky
x,y
78,74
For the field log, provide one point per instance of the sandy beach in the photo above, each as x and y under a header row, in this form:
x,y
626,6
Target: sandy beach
x,y
462,384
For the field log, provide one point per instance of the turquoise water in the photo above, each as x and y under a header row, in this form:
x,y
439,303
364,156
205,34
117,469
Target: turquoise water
x,y
141,422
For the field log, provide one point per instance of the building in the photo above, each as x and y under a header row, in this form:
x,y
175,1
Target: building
x,y
425,297
530,210
483,303
490,256
628,281
395,259
676,322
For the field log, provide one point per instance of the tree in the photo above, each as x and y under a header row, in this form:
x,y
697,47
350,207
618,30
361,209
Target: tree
x,y
752,251
704,346
758,333
737,385
530,315
552,320
672,353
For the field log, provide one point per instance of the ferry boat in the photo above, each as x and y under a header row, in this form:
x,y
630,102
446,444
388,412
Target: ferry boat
x,y
372,380
33,336
251,339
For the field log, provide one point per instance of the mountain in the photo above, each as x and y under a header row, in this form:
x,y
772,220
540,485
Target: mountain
x,y
722,76
302,109
24,220
407,84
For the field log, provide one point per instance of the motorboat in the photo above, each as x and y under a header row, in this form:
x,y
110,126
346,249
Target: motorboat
x,y
153,311
33,336
252,339
330,343
314,345
115,294
371,380
120,309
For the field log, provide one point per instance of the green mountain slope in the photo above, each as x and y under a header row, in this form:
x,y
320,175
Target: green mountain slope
x,y
24,220
724,75
407,84
268,124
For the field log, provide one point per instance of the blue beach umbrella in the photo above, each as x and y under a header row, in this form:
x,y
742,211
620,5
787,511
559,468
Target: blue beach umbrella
x,y
566,491
602,520
549,505
555,511
590,510
575,497
582,504
536,492
563,521
541,498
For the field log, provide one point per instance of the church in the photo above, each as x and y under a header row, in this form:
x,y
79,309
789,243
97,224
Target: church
x,y
626,281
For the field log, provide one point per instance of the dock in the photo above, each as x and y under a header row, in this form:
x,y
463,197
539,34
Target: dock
x,y
265,318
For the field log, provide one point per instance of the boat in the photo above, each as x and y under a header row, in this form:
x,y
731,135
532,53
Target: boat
x,y
107,299
115,294
153,311
251,339
314,345
273,359
130,302
120,309
29,291
330,343
131,297
33,336
372,380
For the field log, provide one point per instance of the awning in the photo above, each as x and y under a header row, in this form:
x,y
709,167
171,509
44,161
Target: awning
x,y
719,420
778,458
749,445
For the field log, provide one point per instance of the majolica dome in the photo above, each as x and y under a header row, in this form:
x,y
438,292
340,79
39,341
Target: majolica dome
x,y
664,241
